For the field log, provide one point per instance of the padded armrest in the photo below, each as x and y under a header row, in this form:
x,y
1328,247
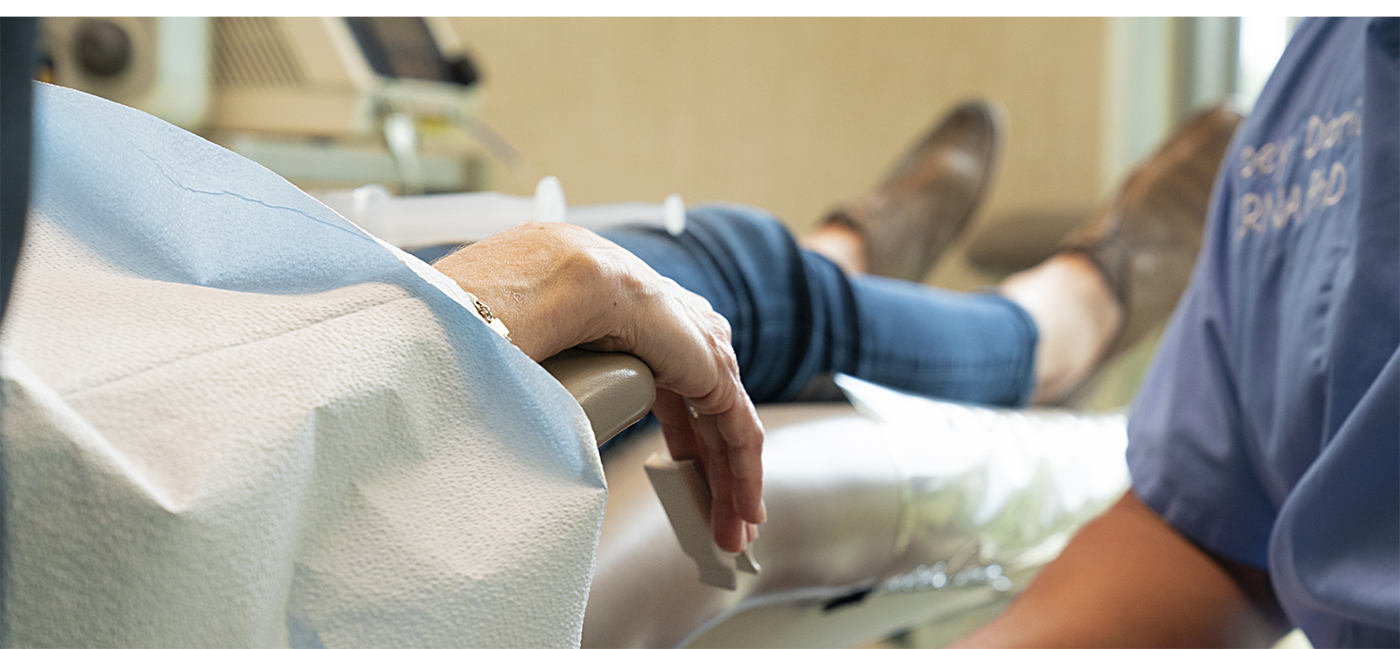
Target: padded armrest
x,y
616,390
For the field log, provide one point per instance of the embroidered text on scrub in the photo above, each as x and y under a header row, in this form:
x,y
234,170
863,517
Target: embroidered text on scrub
x,y
1326,185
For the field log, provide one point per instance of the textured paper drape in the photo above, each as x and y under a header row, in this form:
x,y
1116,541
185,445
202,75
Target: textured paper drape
x,y
233,418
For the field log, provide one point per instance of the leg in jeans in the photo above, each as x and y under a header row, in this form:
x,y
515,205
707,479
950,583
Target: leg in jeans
x,y
796,315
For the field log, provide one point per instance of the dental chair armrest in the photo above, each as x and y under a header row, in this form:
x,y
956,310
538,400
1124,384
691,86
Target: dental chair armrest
x,y
616,390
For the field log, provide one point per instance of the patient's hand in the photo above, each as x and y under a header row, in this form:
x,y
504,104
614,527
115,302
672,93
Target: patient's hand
x,y
558,286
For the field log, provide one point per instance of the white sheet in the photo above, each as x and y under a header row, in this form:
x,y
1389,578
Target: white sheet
x,y
233,418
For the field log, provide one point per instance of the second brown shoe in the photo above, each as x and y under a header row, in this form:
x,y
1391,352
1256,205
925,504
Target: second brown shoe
x,y
1146,241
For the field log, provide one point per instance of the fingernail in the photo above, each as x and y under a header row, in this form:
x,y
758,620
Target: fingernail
x,y
762,511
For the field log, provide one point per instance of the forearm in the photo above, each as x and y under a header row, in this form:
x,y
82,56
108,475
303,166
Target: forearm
x,y
1128,579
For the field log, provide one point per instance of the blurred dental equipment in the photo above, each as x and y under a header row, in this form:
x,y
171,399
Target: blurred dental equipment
x,y
419,221
329,77
324,102
332,104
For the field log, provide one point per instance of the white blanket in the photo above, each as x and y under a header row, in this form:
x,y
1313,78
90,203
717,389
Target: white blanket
x,y
233,418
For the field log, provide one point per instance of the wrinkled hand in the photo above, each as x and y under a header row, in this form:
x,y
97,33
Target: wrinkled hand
x,y
559,286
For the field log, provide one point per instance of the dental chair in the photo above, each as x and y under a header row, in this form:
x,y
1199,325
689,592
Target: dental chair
x,y
890,512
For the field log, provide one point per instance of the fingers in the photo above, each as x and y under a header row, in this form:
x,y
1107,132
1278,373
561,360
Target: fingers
x,y
737,430
699,438
743,440
725,523
737,498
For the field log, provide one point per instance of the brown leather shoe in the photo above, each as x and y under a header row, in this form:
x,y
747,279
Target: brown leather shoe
x,y
908,220
1145,242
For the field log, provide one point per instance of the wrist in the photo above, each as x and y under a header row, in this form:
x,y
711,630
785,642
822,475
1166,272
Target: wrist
x,y
553,285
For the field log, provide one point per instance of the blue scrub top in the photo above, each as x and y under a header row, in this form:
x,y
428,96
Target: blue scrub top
x,y
1268,428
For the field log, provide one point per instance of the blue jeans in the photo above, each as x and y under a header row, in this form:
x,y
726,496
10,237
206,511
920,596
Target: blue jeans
x,y
796,316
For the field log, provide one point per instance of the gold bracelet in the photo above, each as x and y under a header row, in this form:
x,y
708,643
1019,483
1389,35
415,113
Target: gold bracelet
x,y
484,312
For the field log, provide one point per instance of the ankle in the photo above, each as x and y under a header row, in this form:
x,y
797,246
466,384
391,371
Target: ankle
x,y
1078,318
1093,290
842,245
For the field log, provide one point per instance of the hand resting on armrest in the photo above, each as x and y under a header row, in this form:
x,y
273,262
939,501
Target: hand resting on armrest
x,y
559,286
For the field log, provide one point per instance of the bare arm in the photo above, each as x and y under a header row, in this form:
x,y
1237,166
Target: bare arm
x,y
1128,579
559,286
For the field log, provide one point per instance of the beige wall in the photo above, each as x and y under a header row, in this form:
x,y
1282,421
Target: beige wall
x,y
790,114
